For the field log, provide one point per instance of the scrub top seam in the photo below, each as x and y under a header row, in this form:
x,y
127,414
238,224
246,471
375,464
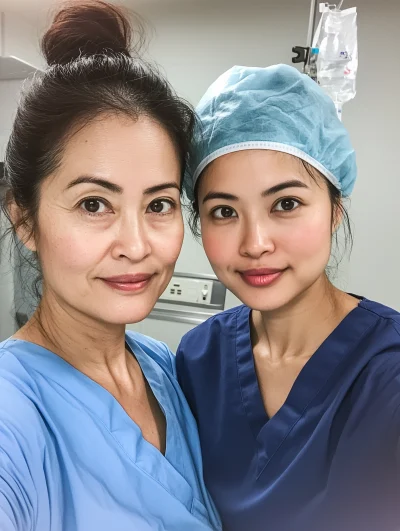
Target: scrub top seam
x,y
213,318
145,471
3,349
381,317
240,385
156,480
163,407
308,404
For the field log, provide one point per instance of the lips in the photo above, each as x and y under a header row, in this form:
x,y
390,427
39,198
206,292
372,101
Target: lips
x,y
128,279
261,277
261,271
130,283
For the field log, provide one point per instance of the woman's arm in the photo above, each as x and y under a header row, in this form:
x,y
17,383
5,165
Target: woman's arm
x,y
16,486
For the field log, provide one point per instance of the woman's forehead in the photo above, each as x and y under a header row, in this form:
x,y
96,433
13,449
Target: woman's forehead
x,y
258,167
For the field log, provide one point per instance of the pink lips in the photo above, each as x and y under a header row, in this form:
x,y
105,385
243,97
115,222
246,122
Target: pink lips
x,y
261,277
131,283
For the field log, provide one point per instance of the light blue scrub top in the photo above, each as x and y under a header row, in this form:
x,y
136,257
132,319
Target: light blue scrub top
x,y
71,459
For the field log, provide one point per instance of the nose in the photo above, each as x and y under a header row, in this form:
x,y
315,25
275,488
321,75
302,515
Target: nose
x,y
132,240
256,240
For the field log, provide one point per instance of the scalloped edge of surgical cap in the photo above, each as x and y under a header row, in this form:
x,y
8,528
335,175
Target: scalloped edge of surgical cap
x,y
267,145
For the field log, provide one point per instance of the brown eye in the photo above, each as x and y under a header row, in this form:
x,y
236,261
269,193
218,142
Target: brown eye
x,y
160,206
93,205
224,213
287,205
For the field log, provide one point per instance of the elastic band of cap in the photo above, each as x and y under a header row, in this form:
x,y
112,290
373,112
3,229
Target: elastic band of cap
x,y
273,146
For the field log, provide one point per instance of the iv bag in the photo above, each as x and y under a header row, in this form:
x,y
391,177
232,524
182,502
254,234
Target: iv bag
x,y
336,38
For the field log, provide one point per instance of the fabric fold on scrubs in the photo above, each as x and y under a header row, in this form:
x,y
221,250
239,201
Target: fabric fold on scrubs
x,y
71,459
328,460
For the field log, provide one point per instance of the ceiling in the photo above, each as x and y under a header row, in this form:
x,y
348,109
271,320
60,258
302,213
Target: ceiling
x,y
37,11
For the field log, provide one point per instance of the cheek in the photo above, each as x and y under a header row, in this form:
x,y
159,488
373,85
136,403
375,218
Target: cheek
x,y
308,239
166,242
72,250
219,249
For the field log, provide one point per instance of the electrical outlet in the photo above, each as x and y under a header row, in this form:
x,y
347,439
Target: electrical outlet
x,y
188,290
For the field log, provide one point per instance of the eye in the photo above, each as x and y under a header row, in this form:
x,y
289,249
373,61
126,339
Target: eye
x,y
93,205
161,206
224,213
286,205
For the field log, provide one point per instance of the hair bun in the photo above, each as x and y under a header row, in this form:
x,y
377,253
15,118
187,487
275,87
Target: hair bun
x,y
86,28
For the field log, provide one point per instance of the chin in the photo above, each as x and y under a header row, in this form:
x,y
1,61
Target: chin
x,y
128,312
124,318
137,316
266,299
275,297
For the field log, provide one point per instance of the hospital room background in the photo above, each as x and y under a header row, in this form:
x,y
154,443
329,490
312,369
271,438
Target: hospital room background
x,y
193,41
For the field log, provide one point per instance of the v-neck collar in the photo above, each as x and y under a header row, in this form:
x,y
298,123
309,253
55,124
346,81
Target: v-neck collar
x,y
102,404
269,433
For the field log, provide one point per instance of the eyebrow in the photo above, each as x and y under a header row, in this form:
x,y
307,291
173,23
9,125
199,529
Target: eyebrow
x,y
97,181
294,183
118,189
160,187
220,195
271,191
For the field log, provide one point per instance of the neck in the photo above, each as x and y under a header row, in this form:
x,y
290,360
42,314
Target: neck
x,y
90,346
299,328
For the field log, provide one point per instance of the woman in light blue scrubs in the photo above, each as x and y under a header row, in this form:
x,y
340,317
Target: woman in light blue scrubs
x,y
95,433
297,391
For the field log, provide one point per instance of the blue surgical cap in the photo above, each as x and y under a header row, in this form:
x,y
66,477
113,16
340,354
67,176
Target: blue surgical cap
x,y
275,108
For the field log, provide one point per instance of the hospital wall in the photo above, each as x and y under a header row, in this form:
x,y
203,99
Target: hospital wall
x,y
19,38
9,92
194,41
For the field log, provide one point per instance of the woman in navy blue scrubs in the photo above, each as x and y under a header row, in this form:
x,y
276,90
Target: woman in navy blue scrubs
x,y
296,392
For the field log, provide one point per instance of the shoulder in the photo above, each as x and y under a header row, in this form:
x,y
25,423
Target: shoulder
x,y
203,351
157,350
220,327
380,380
17,386
387,317
23,433
383,370
22,440
385,332
15,357
7,348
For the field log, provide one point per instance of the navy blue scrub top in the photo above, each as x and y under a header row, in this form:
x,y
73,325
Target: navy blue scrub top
x,y
329,459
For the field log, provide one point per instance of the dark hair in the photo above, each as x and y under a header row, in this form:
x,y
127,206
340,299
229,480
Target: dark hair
x,y
91,72
339,211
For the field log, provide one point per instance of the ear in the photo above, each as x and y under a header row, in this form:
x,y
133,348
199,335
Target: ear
x,y
23,227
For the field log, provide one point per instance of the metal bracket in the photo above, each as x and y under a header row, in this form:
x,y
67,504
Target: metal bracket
x,y
302,53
